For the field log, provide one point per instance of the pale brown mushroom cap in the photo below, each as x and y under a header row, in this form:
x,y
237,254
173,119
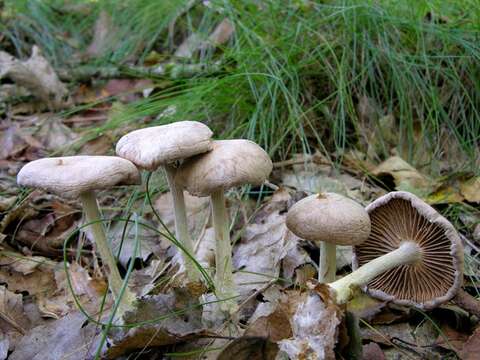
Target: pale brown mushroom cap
x,y
152,147
71,176
329,217
401,216
230,163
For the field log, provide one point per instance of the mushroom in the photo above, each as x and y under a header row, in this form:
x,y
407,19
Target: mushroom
x,y
77,177
157,146
413,255
329,219
230,163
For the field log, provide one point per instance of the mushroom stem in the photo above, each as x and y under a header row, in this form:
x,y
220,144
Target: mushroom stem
x,y
92,214
409,252
223,251
181,225
327,268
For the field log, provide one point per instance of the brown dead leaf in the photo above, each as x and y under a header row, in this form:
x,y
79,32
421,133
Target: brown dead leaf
x,y
249,348
101,145
449,337
257,257
47,233
67,338
471,349
126,89
13,322
470,189
149,242
35,275
37,75
383,334
372,351
14,140
53,134
271,320
170,328
405,176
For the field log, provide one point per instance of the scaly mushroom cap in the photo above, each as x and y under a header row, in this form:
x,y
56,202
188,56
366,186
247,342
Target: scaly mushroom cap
x,y
401,216
230,163
329,217
72,175
155,146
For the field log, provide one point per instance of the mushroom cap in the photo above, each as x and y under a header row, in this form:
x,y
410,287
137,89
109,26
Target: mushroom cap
x,y
230,163
329,217
401,216
152,147
71,176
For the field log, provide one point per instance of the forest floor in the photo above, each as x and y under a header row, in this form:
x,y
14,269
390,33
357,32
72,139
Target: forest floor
x,y
356,99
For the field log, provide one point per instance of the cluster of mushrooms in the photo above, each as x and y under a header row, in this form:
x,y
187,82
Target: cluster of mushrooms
x,y
404,251
191,160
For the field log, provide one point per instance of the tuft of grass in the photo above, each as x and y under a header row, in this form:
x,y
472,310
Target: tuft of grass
x,y
296,74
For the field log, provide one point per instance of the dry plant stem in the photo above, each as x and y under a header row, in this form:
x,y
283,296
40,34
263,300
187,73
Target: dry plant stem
x,y
223,251
408,253
181,225
327,268
92,214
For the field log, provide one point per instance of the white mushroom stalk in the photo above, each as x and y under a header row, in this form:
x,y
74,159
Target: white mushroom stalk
x,y
327,267
181,224
408,253
115,281
223,258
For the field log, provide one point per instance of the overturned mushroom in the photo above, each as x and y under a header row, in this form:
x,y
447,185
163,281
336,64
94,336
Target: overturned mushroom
x,y
77,177
329,219
425,266
162,146
412,257
230,163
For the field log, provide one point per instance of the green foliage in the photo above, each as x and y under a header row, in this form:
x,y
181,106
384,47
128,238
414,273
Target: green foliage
x,y
295,71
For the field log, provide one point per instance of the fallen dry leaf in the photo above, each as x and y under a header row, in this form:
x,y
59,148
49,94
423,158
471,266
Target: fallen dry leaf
x,y
383,334
37,75
53,134
66,338
249,348
372,351
169,328
13,322
471,348
41,280
450,338
149,242
405,176
470,189
257,257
